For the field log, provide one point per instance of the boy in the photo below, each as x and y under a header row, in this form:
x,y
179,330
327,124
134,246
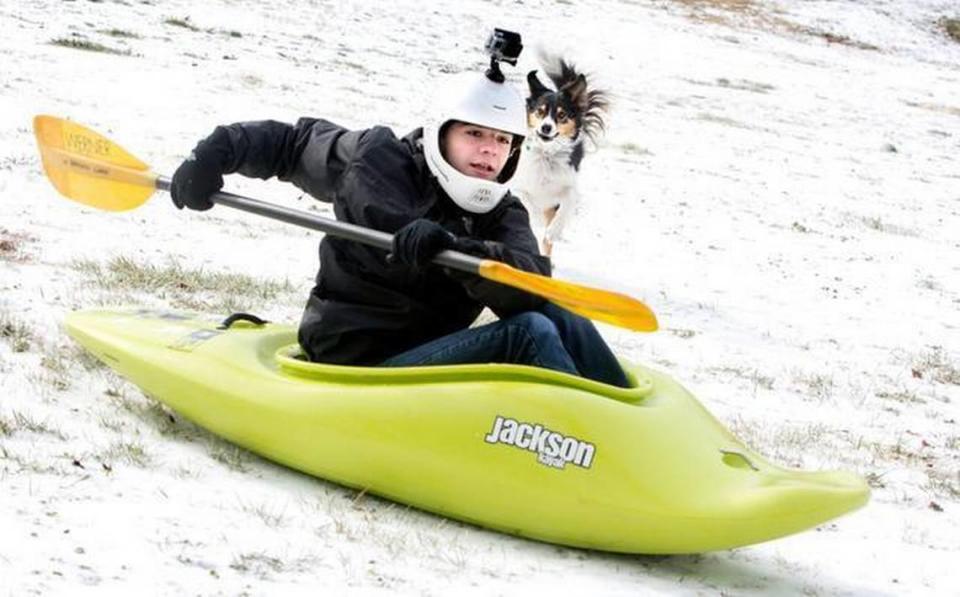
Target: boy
x,y
442,187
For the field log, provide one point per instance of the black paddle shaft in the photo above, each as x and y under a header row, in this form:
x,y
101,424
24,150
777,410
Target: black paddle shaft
x,y
375,238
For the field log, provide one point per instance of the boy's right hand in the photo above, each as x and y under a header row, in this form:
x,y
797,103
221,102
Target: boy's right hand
x,y
197,178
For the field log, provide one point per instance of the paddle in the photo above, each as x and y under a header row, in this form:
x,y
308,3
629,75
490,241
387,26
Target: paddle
x,y
89,168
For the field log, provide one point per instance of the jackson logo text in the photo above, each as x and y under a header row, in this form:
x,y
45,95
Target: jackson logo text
x,y
552,448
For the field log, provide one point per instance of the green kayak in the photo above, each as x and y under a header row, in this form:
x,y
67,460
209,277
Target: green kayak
x,y
522,450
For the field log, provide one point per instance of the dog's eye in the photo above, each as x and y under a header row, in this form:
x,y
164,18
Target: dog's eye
x,y
542,111
561,116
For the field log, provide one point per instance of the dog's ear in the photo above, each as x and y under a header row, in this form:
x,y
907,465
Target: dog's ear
x,y
577,90
536,87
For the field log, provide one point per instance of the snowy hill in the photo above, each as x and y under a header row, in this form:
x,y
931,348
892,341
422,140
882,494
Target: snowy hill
x,y
779,181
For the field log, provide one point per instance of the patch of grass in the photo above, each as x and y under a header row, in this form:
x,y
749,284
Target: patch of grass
x,y
875,480
26,463
259,564
740,6
144,409
88,46
751,14
165,421
56,369
186,287
873,223
745,85
786,444
15,332
885,452
115,425
19,421
251,80
800,437
342,64
762,381
727,12
818,385
233,457
13,246
952,28
635,149
185,472
929,283
116,389
943,484
270,517
903,396
759,380
18,161
836,38
86,360
183,23
939,108
937,365
723,120
130,452
877,223
120,33
147,410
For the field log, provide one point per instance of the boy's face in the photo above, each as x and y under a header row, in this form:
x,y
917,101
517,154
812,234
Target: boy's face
x,y
475,150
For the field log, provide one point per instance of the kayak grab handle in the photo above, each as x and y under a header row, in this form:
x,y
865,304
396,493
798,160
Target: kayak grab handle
x,y
229,321
737,459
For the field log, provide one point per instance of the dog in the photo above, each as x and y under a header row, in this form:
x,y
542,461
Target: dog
x,y
559,120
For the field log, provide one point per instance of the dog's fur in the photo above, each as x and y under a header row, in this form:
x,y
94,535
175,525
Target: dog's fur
x,y
559,122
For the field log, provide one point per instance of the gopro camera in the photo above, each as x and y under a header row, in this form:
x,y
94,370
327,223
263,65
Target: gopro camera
x,y
503,46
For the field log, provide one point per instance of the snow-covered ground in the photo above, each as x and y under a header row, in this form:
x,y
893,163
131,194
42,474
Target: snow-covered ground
x,y
780,182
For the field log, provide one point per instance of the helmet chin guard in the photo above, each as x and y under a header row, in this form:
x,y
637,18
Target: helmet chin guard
x,y
475,99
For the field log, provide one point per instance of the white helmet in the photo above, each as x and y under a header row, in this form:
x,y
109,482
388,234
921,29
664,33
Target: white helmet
x,y
475,99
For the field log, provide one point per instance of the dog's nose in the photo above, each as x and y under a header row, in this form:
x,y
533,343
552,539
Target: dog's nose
x,y
546,128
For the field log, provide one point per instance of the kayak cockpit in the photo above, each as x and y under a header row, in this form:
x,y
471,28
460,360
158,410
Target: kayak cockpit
x,y
291,361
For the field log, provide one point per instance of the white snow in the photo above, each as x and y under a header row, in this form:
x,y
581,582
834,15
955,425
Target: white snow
x,y
789,205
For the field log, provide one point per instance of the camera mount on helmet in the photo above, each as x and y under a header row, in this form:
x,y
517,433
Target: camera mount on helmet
x,y
503,46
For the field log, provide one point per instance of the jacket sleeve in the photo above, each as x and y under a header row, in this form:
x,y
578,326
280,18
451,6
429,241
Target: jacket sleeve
x,y
312,154
511,241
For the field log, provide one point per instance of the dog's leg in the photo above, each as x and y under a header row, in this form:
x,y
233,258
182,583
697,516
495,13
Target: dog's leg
x,y
547,248
562,213
548,216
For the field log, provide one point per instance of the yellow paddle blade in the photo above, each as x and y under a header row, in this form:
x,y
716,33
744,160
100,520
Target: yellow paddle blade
x,y
600,305
89,168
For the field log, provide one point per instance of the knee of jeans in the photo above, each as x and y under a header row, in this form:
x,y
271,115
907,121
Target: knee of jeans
x,y
560,317
536,324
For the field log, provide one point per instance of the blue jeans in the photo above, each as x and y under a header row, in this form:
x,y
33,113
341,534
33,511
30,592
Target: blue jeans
x,y
552,338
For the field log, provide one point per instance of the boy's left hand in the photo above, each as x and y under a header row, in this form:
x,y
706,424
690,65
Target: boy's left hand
x,y
418,242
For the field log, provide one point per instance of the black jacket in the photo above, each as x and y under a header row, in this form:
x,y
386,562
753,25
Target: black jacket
x,y
363,309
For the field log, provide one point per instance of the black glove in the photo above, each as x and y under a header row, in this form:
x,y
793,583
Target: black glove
x,y
193,183
201,175
478,248
418,242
